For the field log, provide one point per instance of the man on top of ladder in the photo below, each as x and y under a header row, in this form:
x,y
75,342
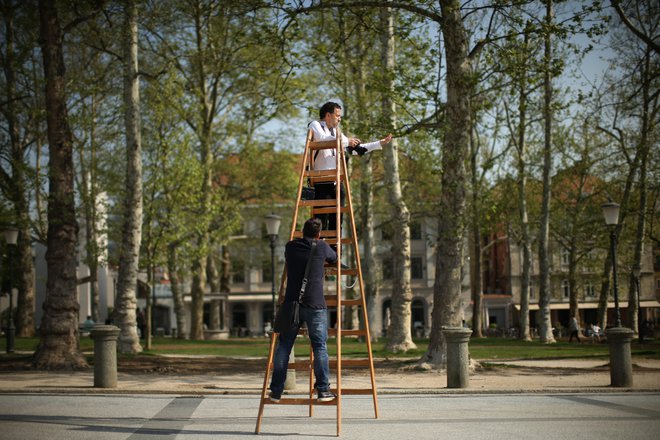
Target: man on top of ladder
x,y
325,130
313,310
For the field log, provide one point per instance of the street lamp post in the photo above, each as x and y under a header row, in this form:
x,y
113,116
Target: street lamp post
x,y
272,228
611,214
618,338
11,237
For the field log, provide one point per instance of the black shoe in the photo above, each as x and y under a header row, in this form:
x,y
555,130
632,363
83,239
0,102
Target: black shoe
x,y
274,397
344,266
326,396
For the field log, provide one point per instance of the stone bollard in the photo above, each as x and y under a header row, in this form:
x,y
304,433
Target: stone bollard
x,y
105,355
458,358
619,339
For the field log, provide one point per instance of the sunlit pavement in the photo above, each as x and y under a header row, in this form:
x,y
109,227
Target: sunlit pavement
x,y
628,415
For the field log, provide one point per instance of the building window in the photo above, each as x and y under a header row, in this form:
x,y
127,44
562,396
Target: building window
x,y
589,290
266,272
417,268
564,257
415,230
239,315
388,269
532,293
565,288
237,272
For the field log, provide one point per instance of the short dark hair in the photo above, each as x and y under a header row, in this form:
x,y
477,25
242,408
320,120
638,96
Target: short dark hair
x,y
328,107
312,228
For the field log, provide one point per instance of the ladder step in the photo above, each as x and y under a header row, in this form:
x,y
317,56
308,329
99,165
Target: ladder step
x,y
333,332
304,364
333,271
350,363
321,173
357,391
333,240
300,401
328,210
324,235
331,301
299,365
320,176
322,145
316,203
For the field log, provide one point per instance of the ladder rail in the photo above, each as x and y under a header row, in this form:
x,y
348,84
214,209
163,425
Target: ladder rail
x,y
356,249
340,162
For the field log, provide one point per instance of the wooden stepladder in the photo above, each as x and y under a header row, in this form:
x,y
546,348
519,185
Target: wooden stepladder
x,y
330,206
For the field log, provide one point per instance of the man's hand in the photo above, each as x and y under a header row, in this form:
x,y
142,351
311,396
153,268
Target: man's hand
x,y
386,140
353,142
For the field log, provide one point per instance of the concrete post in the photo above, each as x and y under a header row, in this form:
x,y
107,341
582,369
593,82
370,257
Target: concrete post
x,y
458,357
105,355
619,339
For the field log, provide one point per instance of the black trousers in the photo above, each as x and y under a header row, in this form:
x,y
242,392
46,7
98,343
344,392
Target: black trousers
x,y
325,191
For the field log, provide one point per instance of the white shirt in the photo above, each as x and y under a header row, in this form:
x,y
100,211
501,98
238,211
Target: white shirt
x,y
325,160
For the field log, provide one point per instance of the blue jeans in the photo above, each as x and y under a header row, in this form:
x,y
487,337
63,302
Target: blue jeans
x,y
317,329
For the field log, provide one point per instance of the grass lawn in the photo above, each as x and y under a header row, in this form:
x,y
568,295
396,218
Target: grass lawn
x,y
487,349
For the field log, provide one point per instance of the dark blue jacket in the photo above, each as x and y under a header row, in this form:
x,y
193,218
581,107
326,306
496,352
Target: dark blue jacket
x,y
297,253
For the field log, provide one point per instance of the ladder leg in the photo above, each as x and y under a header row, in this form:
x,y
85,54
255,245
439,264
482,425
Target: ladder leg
x,y
365,315
273,339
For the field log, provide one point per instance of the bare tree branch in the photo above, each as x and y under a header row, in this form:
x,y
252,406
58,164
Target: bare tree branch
x,y
642,36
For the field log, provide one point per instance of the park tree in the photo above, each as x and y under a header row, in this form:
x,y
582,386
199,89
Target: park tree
x,y
399,337
129,254
545,292
16,112
226,56
576,193
58,346
460,88
628,114
523,82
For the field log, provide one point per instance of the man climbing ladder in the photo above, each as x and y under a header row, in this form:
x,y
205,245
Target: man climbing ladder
x,y
301,252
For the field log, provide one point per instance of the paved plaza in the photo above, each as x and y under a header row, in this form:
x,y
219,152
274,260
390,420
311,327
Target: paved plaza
x,y
630,415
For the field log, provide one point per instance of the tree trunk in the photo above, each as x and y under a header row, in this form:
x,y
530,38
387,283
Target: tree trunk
x,y
214,285
525,241
89,198
573,298
25,268
224,284
126,301
460,87
643,148
607,265
366,220
476,284
58,346
399,334
370,266
545,293
177,295
206,115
